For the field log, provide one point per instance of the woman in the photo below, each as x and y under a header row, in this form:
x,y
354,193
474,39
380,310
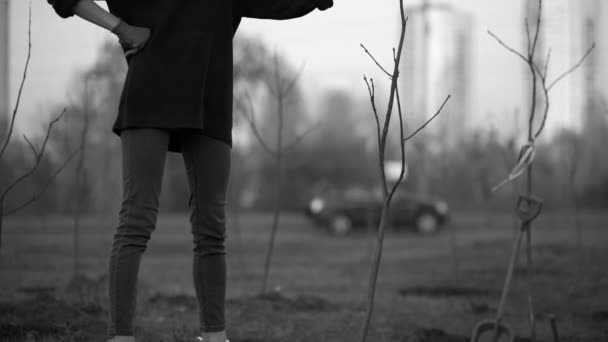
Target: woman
x,y
177,97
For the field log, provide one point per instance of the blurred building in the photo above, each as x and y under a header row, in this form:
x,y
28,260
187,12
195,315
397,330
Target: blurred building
x,y
437,62
4,70
568,29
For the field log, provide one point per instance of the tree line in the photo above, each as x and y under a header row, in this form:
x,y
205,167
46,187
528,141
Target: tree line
x,y
338,153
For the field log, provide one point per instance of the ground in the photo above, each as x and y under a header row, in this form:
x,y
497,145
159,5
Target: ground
x,y
430,288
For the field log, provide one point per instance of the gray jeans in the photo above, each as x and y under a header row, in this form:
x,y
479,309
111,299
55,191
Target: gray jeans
x,y
207,163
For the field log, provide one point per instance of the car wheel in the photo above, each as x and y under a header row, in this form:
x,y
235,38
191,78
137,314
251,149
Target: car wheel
x,y
340,225
427,223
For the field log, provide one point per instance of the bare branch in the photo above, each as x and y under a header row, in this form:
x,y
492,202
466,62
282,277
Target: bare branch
x,y
391,100
528,40
301,137
545,111
293,81
27,63
376,61
372,96
547,89
36,162
48,132
517,53
34,150
35,197
577,65
401,146
538,21
545,73
249,115
429,120
539,71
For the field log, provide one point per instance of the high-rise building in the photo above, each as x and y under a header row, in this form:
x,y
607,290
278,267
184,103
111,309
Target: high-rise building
x,y
437,62
4,66
568,29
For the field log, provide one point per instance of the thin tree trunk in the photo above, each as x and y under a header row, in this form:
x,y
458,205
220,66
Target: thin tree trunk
x,y
79,179
277,195
375,269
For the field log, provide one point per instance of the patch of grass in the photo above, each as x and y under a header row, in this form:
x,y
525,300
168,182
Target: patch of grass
x,y
322,281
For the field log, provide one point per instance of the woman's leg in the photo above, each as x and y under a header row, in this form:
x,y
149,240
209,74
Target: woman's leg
x,y
143,161
207,162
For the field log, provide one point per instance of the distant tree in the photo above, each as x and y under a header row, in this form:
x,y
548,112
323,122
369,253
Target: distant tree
x,y
593,169
38,152
388,186
280,87
335,153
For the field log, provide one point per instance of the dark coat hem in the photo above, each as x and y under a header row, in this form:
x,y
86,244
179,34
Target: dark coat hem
x,y
174,145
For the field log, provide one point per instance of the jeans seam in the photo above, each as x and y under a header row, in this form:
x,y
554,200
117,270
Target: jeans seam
x,y
127,214
195,209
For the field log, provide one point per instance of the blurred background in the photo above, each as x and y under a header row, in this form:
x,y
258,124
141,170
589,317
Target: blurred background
x,y
330,178
466,151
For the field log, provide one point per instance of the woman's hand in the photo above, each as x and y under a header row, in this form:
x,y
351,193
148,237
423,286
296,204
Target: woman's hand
x,y
131,38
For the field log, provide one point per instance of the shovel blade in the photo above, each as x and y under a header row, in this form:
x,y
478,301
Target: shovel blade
x,y
492,331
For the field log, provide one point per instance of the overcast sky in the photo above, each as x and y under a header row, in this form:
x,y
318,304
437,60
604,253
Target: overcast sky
x,y
327,42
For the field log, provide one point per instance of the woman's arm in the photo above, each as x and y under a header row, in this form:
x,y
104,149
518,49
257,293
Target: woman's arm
x,y
279,9
90,11
131,38
86,9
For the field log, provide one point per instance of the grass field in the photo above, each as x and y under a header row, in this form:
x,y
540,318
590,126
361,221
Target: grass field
x,y
430,288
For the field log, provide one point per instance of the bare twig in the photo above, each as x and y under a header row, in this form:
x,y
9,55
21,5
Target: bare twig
x,y
546,109
548,58
27,63
32,147
287,90
41,192
372,96
248,111
517,53
298,139
537,32
577,65
376,61
528,40
429,120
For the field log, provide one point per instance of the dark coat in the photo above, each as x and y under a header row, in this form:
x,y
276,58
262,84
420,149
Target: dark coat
x,y
182,78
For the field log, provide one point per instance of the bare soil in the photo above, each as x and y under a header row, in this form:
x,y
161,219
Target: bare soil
x,y
430,288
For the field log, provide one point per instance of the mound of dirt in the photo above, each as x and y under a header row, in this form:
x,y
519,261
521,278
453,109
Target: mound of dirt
x,y
282,303
42,316
299,303
433,335
178,300
600,316
446,291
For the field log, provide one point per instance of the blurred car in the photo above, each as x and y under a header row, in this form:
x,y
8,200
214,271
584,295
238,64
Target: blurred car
x,y
342,212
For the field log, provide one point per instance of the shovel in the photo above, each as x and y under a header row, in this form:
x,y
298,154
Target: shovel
x,y
528,209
